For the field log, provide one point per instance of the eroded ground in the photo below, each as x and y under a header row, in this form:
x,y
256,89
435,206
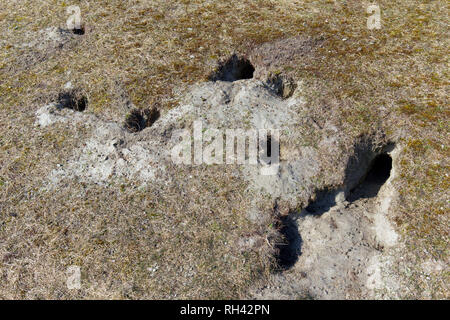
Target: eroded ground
x,y
86,129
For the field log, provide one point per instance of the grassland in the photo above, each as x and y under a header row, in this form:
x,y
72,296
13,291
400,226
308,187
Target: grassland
x,y
142,52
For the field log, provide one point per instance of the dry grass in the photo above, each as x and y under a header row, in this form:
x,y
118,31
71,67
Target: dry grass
x,y
136,53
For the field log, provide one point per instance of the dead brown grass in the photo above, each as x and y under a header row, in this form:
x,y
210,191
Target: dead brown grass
x,y
135,53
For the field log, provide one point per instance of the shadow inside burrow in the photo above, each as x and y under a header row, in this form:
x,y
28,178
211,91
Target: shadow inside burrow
x,y
72,99
378,173
325,200
233,69
289,249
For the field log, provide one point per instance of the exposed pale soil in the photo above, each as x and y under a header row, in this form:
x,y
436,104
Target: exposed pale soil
x,y
340,243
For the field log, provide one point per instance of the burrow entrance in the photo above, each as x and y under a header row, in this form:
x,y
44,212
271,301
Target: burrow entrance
x,y
73,99
233,69
139,119
289,248
78,31
325,200
376,174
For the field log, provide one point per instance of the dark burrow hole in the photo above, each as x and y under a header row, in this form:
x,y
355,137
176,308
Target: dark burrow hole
x,y
289,249
139,119
325,199
78,31
73,99
378,173
233,69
